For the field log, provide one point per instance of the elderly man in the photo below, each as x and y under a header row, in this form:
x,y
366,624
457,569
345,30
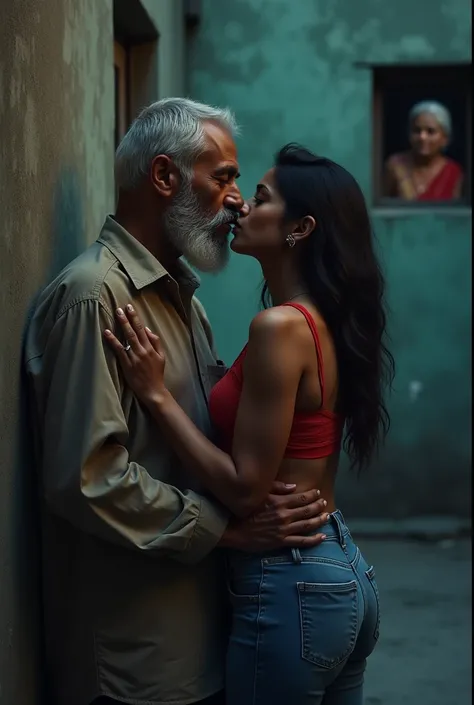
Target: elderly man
x,y
135,598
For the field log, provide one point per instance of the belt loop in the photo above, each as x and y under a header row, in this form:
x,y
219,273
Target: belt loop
x,y
296,555
340,530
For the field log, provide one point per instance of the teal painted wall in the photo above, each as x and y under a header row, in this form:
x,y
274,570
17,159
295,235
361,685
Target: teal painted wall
x,y
288,70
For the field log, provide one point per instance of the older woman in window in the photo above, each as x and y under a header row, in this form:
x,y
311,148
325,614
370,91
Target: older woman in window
x,y
425,173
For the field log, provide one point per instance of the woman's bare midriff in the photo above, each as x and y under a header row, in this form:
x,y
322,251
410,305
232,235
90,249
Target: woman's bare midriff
x,y
308,474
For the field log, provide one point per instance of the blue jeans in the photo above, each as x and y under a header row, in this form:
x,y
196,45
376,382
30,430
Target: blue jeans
x,y
304,623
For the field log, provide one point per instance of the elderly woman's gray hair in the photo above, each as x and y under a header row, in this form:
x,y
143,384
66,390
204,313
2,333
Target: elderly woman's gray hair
x,y
172,126
437,110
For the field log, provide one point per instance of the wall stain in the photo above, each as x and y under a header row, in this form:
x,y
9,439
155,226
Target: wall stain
x,y
56,185
68,237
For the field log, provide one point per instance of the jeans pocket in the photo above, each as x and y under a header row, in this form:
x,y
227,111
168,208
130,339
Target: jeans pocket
x,y
237,599
374,608
329,618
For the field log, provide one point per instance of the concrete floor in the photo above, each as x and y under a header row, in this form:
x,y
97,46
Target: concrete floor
x,y
424,652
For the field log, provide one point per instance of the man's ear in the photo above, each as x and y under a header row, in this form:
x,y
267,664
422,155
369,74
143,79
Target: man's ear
x,y
304,228
165,176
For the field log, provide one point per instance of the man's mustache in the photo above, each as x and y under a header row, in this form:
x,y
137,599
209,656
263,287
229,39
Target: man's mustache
x,y
225,217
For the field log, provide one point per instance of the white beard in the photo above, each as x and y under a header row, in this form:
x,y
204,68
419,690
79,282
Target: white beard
x,y
191,231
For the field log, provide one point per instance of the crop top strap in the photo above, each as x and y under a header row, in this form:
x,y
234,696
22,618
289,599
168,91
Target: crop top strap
x,y
312,326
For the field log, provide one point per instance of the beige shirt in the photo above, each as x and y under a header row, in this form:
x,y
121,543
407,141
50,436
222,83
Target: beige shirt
x,y
135,603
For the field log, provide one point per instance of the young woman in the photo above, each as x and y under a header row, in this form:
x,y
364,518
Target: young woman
x,y
311,378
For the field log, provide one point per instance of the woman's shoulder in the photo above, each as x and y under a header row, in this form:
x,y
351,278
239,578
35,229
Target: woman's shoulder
x,y
285,324
274,321
276,344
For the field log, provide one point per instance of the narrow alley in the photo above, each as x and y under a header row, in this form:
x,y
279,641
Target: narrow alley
x,y
424,653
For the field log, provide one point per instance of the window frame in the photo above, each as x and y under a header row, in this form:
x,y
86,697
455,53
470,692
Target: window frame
x,y
135,46
385,76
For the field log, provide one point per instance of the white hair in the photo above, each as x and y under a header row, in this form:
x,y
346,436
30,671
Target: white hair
x,y
172,126
437,110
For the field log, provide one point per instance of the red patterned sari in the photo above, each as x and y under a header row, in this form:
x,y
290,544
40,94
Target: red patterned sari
x,y
446,184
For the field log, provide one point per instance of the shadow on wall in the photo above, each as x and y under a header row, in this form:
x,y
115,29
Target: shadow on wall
x,y
26,552
67,240
68,223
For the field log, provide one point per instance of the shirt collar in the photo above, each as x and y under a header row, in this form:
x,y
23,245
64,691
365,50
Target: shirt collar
x,y
140,265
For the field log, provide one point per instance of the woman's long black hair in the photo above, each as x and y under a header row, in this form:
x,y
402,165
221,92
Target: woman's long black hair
x,y
341,272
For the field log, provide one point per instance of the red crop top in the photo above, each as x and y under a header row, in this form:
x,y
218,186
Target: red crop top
x,y
313,435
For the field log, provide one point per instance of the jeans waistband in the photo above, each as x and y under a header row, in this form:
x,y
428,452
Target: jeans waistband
x,y
335,529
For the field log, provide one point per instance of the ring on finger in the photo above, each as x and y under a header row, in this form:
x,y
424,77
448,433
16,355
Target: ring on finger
x,y
127,347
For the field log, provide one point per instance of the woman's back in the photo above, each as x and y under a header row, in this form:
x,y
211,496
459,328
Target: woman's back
x,y
316,403
313,445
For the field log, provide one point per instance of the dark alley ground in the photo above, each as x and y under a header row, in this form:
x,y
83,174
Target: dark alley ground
x,y
424,653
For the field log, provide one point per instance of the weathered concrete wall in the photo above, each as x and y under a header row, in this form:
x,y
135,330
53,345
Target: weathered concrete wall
x,y
56,183
288,70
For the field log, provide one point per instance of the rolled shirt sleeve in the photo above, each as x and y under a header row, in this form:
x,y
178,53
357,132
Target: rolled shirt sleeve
x,y
88,476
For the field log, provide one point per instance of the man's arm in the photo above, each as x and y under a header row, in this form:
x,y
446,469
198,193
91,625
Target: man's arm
x,y
288,519
88,477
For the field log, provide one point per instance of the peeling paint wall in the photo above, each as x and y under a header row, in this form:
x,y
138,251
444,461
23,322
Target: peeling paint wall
x,y
56,183
288,70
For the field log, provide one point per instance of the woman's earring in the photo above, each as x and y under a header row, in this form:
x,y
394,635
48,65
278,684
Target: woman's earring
x,y
290,240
